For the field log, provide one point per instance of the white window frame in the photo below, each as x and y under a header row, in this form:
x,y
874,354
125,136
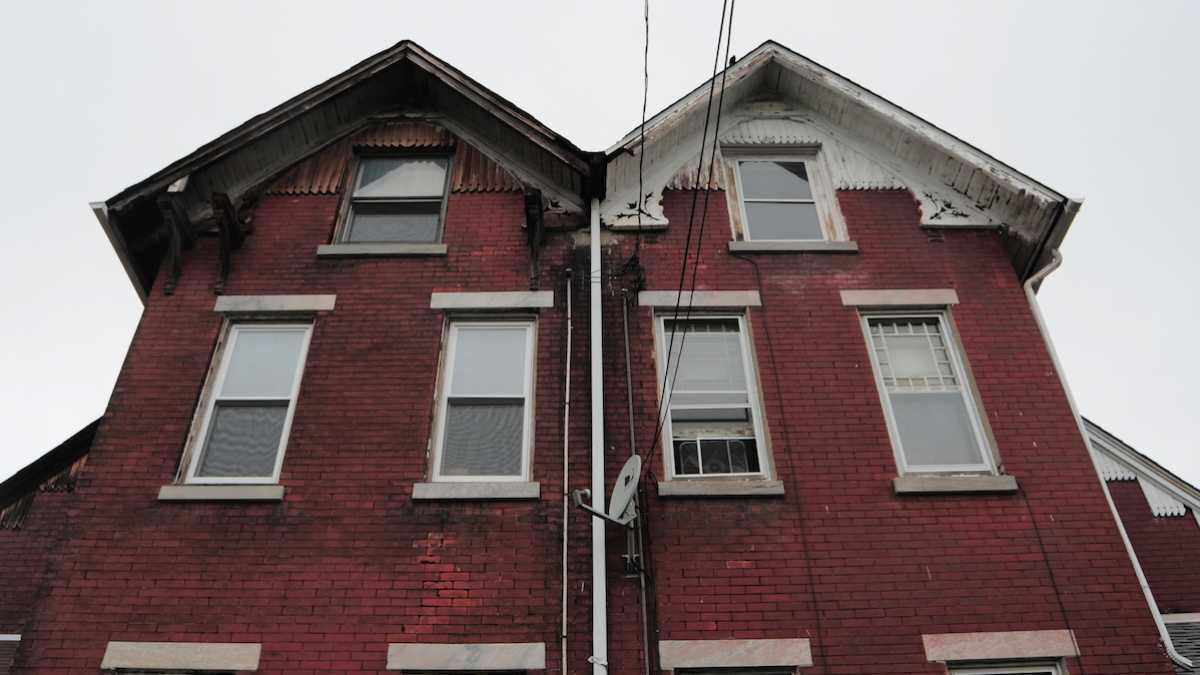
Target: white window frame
x,y
755,403
824,197
444,395
966,390
346,217
1022,669
222,357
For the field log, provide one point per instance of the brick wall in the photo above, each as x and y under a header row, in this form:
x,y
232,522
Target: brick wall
x,y
348,562
1167,547
839,559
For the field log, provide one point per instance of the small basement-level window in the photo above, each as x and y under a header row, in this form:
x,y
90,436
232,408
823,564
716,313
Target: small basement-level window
x,y
397,200
484,419
713,419
927,399
247,410
785,199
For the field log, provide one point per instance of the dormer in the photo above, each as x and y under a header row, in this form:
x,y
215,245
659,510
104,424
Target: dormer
x,y
793,134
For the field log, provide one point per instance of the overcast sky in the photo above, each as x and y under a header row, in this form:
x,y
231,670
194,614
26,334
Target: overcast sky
x,y
1095,99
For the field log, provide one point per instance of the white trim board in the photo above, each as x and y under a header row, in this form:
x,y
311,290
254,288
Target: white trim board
x,y
1119,461
997,646
706,299
791,652
492,300
10,637
1190,617
202,656
481,656
252,304
900,297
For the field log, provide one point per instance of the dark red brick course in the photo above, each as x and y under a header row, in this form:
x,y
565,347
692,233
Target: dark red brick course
x,y
1168,548
348,562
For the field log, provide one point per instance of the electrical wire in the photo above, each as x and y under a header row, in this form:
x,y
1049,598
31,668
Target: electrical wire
x,y
794,470
669,378
637,248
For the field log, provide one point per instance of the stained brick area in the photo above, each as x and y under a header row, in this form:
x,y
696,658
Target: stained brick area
x,y
348,562
880,569
1168,548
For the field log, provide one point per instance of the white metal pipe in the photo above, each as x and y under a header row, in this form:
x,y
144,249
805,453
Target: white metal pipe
x,y
1055,262
599,656
566,484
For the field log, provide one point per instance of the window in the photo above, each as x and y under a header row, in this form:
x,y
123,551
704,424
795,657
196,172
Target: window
x,y
248,409
397,200
1045,669
713,418
927,400
484,415
785,199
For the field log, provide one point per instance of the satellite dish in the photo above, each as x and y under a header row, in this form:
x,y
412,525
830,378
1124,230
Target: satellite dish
x,y
621,507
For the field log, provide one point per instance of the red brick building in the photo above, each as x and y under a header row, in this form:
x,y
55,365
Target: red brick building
x,y
1161,514
394,323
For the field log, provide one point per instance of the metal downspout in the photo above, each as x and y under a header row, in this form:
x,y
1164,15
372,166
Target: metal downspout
x,y
599,657
566,490
1037,278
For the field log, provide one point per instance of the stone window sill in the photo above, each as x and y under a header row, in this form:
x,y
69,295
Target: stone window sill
x,y
220,493
720,488
793,247
923,485
478,491
379,250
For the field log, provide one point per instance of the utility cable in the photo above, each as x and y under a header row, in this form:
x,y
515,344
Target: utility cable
x,y
669,377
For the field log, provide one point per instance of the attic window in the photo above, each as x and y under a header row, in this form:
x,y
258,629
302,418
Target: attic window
x,y
784,198
397,200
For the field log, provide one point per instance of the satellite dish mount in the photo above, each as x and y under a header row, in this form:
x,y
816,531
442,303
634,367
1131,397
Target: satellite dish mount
x,y
622,509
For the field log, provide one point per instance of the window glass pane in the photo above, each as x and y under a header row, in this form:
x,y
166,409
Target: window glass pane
x,y
489,361
243,441
910,357
775,180
711,359
934,429
406,224
263,363
769,221
716,456
401,177
483,439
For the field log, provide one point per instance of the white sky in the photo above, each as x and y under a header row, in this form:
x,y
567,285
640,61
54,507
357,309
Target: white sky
x,y
1095,99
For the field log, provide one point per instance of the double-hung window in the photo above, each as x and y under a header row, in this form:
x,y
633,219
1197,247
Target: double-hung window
x,y
397,199
927,398
713,416
785,199
484,418
247,409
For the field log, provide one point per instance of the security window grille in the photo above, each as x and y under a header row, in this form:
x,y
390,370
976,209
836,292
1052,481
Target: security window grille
x,y
397,200
929,406
248,410
484,416
778,201
713,412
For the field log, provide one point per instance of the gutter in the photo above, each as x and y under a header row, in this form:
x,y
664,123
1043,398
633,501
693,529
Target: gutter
x,y
599,657
1030,286
117,240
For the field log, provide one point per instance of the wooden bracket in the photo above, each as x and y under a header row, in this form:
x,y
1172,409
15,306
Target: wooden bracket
x,y
179,237
229,229
535,233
